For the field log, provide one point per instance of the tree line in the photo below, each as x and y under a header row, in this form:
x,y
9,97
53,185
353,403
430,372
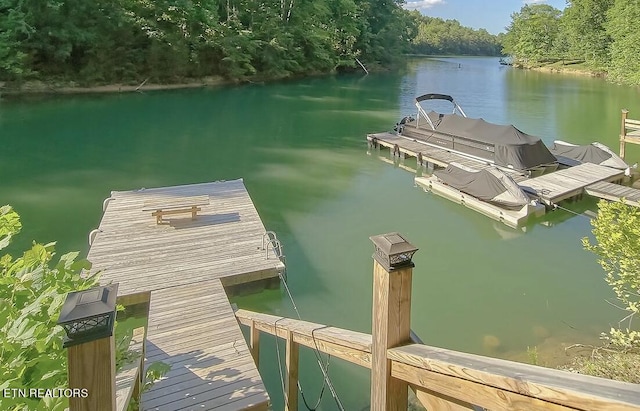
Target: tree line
x,y
437,36
167,40
109,41
605,34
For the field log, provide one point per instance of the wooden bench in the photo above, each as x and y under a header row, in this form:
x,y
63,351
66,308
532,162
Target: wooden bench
x,y
178,205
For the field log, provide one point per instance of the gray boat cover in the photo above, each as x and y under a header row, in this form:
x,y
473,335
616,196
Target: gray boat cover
x,y
489,184
595,153
512,147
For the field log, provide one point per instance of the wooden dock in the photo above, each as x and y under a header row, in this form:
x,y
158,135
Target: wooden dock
x,y
550,188
179,264
570,182
614,192
429,156
511,218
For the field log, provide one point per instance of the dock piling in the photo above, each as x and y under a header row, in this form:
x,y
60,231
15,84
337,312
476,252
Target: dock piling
x,y
391,317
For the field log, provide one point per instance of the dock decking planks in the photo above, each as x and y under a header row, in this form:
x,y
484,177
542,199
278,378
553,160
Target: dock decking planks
x,y
438,156
184,263
562,184
211,367
614,192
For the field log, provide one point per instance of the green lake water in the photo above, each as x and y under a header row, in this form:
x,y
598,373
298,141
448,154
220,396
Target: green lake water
x,y
300,147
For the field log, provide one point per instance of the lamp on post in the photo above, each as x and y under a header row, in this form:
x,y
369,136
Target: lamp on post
x,y
391,317
393,251
89,314
88,319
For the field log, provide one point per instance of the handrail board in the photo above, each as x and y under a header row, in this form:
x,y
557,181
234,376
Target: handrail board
x,y
350,339
129,375
629,123
498,383
559,387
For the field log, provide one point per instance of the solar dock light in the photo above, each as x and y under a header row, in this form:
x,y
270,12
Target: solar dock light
x,y
89,314
88,319
393,251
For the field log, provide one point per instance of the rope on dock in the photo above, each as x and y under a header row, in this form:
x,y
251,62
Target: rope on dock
x,y
324,369
555,206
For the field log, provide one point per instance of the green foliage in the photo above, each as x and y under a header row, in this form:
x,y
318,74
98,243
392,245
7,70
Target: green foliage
x,y
438,36
603,33
107,41
622,27
32,291
13,30
532,35
532,353
617,234
620,366
583,27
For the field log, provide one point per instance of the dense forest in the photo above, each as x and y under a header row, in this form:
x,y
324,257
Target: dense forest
x,y
111,41
438,36
105,41
605,34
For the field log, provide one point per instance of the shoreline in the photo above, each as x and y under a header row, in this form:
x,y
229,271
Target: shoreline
x,y
575,68
43,88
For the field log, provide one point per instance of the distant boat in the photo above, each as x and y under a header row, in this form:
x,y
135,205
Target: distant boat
x,y
499,145
506,61
597,153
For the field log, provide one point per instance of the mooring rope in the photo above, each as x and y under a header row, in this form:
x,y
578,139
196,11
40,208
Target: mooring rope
x,y
570,211
323,368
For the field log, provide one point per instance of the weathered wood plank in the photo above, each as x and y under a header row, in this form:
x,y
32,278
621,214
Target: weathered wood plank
x,y
420,363
292,356
177,268
266,322
175,202
435,401
129,376
468,391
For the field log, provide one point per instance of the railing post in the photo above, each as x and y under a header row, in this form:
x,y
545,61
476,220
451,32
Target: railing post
x,y
88,319
623,132
391,321
254,343
291,394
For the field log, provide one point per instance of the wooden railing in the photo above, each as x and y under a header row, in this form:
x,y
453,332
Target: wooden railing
x,y
129,379
442,379
629,132
450,380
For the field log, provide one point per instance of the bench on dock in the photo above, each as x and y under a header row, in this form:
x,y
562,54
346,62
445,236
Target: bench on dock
x,y
176,205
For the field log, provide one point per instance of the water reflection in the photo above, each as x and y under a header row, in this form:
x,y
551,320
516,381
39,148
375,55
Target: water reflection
x,y
300,148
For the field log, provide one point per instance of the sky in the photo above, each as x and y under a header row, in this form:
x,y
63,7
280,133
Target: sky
x,y
492,15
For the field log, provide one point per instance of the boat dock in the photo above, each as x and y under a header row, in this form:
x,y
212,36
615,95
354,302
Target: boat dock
x,y
614,192
550,189
175,249
426,155
569,183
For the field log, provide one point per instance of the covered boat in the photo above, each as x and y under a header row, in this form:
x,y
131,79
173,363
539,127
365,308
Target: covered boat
x,y
500,145
596,153
489,184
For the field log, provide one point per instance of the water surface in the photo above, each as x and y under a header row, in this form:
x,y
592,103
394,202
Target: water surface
x,y
300,147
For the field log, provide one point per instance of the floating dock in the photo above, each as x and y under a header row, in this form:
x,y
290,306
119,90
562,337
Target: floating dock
x,y
512,218
569,183
430,156
550,189
614,192
179,265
